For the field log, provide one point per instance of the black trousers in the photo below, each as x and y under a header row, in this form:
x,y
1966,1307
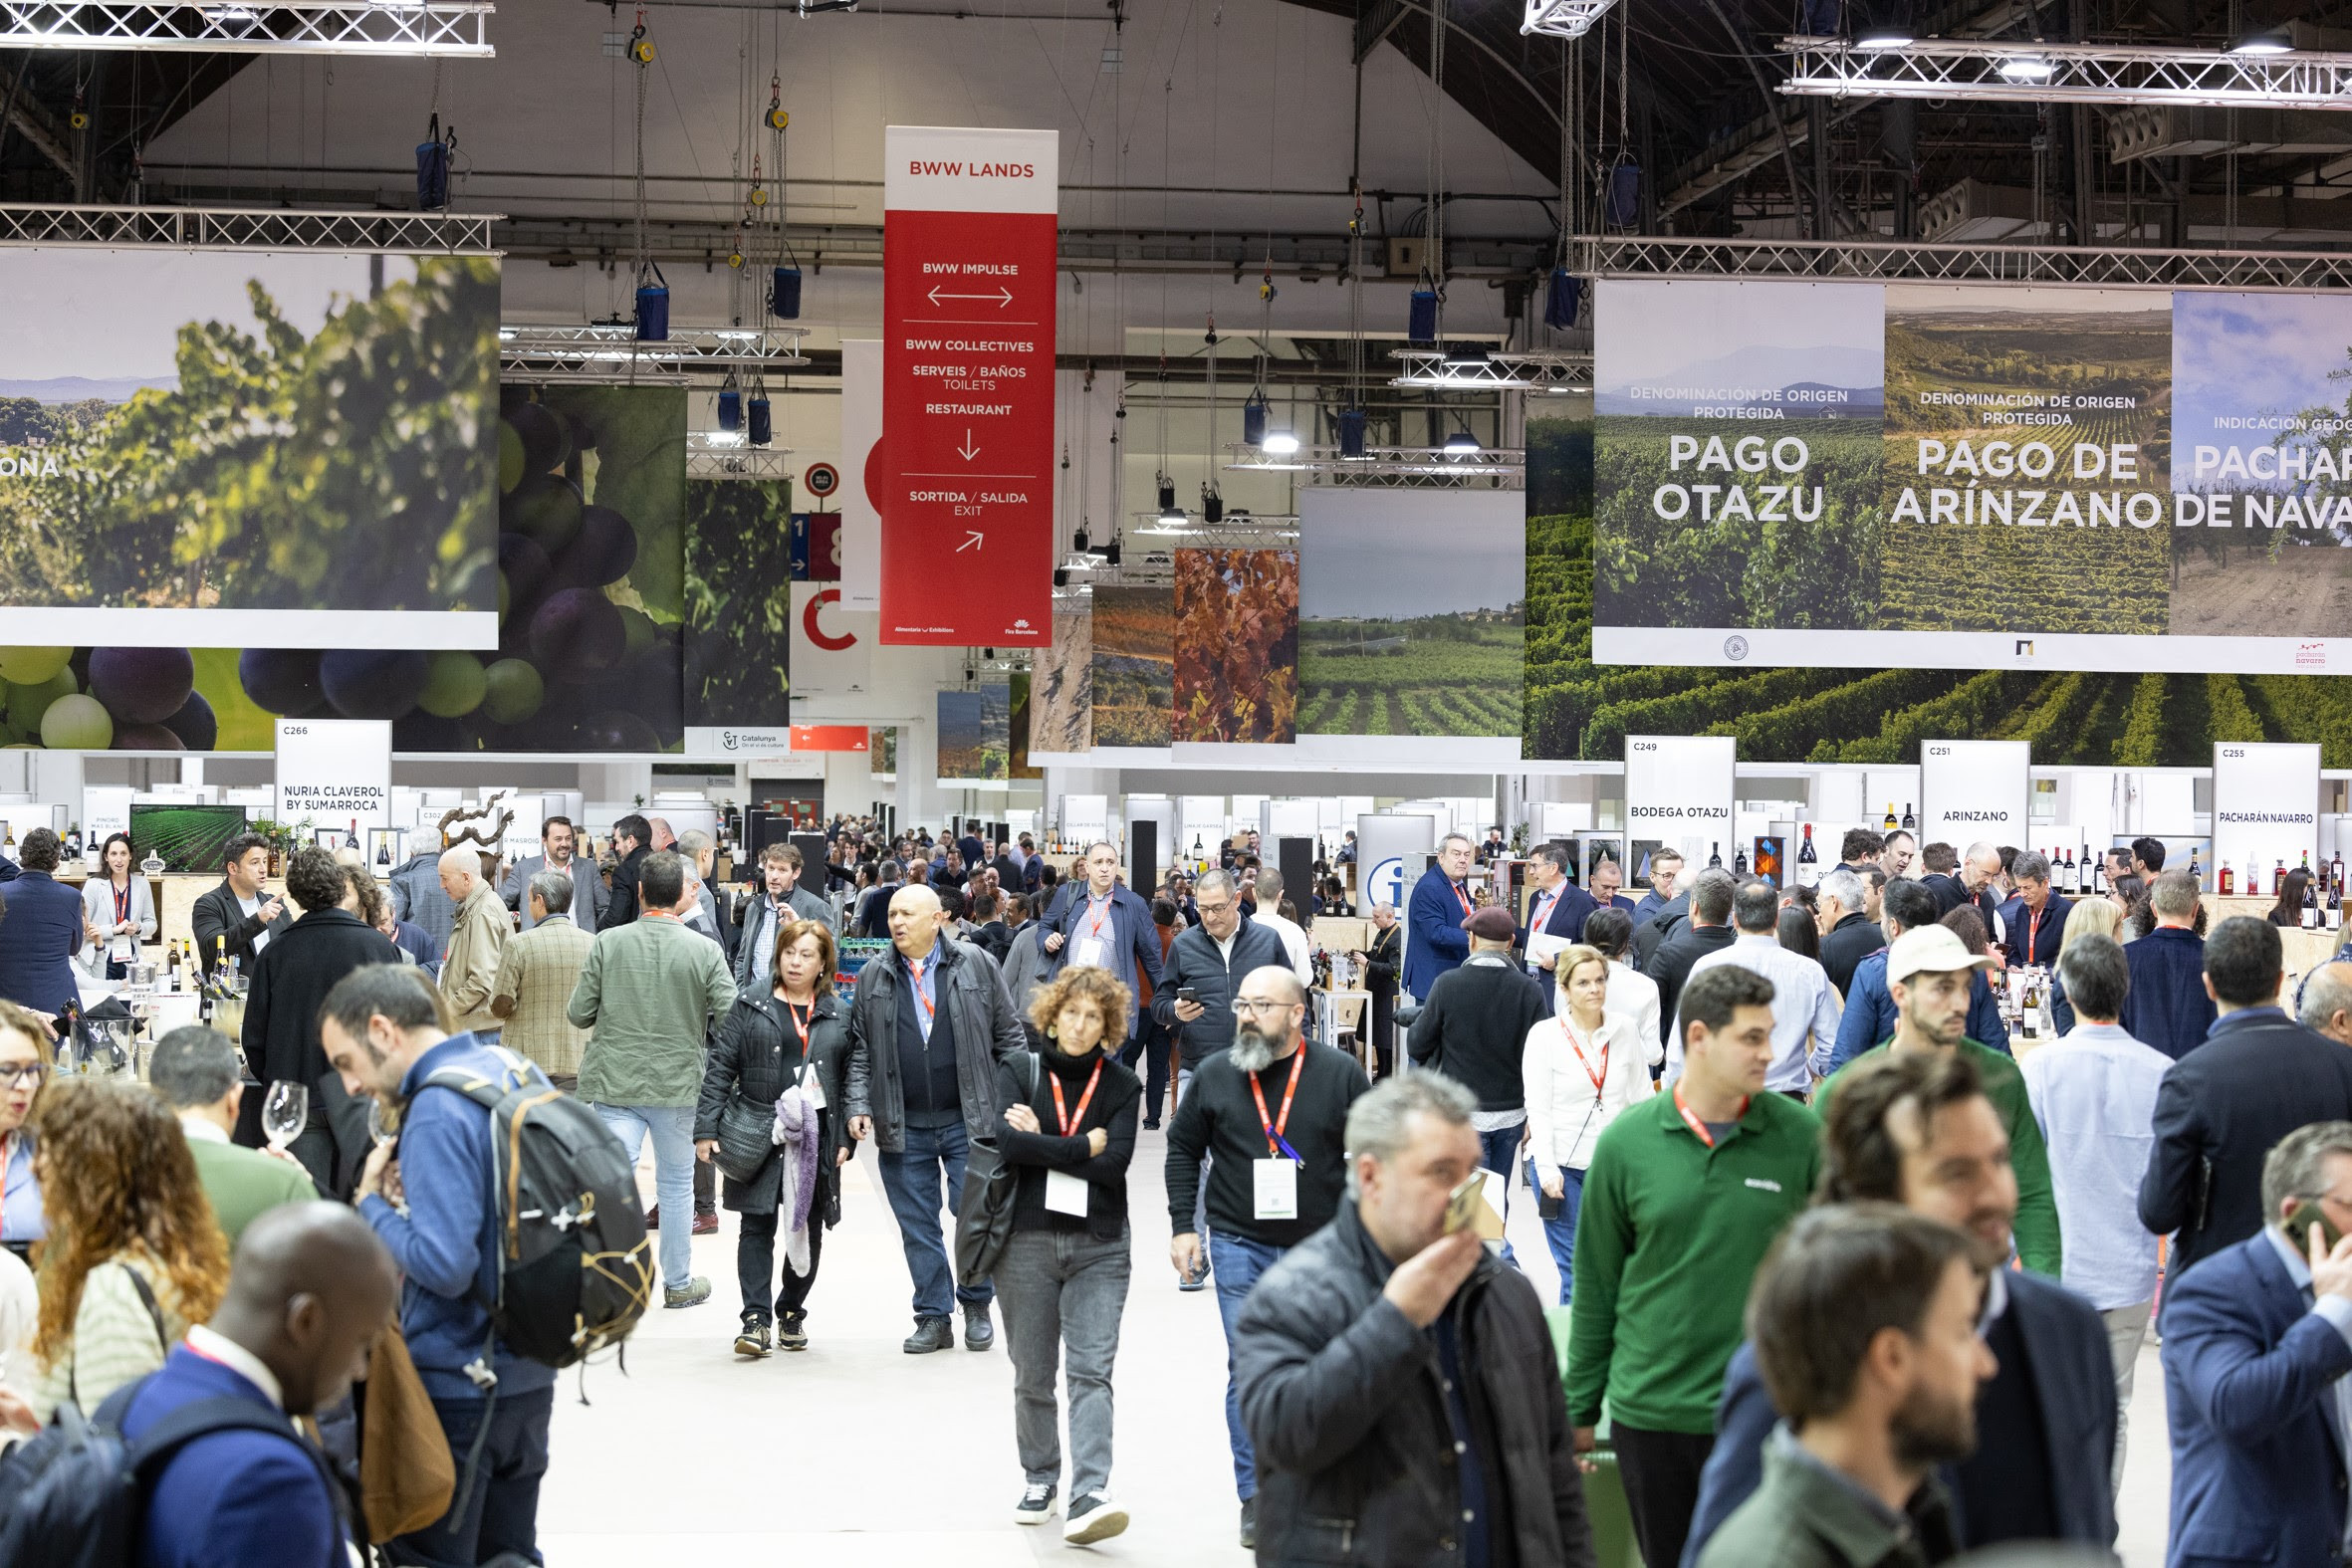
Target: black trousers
x,y
1661,1474
755,1264
706,1189
1151,1042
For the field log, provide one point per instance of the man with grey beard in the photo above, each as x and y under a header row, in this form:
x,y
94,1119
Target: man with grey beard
x,y
1270,1114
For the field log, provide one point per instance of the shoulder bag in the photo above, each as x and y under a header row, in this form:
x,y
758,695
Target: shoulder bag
x,y
985,1224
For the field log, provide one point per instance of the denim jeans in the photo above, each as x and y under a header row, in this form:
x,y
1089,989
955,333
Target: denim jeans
x,y
1237,1263
501,1513
1560,1231
1498,1152
1064,1292
911,1177
755,1264
672,1130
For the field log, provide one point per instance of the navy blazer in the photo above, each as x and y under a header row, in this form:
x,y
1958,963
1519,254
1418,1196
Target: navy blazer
x,y
2047,932
2258,1077
2167,1006
1434,939
1131,947
2248,1391
2073,1383
39,935
235,1496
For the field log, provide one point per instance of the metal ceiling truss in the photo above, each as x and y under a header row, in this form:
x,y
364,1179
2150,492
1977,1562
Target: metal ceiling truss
x,y
2028,71
247,229
457,28
610,353
1562,18
724,454
1527,370
1896,260
1390,467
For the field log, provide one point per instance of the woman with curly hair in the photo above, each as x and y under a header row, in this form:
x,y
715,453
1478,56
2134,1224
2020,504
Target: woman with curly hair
x,y
135,1254
1063,1280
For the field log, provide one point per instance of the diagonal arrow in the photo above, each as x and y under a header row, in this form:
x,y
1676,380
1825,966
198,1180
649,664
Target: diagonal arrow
x,y
971,541
968,450
1003,295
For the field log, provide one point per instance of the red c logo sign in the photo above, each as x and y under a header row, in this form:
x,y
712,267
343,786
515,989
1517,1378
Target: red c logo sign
x,y
823,639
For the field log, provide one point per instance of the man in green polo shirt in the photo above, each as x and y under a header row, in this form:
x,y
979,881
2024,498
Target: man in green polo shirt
x,y
1927,971
1685,1193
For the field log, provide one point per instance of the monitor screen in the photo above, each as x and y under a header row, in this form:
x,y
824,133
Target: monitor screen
x,y
192,838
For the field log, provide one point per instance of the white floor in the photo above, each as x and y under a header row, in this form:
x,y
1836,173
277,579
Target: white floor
x,y
853,1452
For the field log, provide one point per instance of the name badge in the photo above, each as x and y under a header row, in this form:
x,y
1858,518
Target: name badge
x,y
121,948
813,1089
1275,1188
1088,952
1065,1193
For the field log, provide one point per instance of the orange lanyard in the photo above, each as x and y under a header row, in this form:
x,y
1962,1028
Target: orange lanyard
x,y
1544,905
2032,930
1095,915
1698,1128
914,966
1068,1122
1463,894
1577,1046
1274,1125
801,1021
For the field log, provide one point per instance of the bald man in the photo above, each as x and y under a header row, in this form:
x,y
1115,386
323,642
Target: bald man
x,y
926,1030
477,940
2324,1002
310,1290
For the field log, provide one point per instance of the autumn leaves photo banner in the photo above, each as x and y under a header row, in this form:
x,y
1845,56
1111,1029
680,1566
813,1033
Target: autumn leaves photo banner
x,y
252,449
1949,477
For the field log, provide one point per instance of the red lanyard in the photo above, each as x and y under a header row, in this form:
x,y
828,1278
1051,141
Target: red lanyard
x,y
1068,1122
801,1023
915,968
1698,1128
1542,912
1577,1046
1274,1125
2032,930
121,903
1095,915
1463,894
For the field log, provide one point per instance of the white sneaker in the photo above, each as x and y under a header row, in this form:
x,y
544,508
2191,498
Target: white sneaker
x,y
1037,1503
1094,1517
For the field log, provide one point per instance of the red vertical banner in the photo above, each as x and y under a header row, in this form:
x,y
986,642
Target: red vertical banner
x,y
969,231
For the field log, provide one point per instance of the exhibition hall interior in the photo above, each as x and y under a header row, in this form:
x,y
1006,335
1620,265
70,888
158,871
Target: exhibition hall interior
x,y
1503,782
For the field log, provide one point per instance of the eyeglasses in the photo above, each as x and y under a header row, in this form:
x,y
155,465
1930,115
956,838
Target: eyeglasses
x,y
14,1072
1242,1007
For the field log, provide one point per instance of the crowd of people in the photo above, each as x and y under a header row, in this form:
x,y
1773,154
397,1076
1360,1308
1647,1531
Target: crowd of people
x,y
1844,1274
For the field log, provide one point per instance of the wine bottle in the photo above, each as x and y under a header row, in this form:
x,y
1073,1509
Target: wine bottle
x,y
2228,881
2066,876
1808,864
2335,872
2030,1022
2277,877
1740,863
2098,883
350,836
383,856
2335,907
1891,824
172,966
2310,906
1714,857
1910,822
2196,870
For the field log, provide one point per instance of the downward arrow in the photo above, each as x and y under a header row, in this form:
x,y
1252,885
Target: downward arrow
x,y
1003,295
971,541
968,450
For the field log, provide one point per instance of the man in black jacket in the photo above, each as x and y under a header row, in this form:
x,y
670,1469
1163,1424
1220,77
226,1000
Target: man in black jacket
x,y
2259,1076
237,918
1382,962
926,1030
1474,1029
632,839
1386,1370
1852,936
1209,961
1272,1109
1710,928
280,1030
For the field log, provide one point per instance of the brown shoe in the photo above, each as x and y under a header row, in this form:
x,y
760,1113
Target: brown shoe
x,y
706,1224
653,1217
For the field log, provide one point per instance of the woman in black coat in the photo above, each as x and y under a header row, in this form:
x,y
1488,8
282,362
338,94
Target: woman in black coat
x,y
793,1033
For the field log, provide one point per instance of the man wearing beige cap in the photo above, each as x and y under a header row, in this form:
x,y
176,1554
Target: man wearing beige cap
x,y
1928,971
1474,1028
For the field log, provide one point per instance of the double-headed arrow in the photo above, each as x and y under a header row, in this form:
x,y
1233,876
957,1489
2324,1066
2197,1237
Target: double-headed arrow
x,y
1003,295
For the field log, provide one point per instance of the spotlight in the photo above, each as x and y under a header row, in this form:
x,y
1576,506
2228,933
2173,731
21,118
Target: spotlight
x,y
1466,356
1110,554
1462,444
2278,40
1078,541
1279,443
1885,25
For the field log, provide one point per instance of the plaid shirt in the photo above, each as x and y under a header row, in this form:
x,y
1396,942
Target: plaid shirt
x,y
535,974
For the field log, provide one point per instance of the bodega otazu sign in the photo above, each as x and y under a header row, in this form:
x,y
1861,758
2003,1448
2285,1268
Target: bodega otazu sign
x,y
2265,809
336,773
1679,793
1974,789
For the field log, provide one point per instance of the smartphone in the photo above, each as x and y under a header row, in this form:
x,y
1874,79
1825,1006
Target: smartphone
x,y
2307,1215
1462,1203
1188,994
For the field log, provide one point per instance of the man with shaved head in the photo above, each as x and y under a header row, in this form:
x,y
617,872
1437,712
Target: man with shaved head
x,y
310,1288
926,1030
477,940
1270,1116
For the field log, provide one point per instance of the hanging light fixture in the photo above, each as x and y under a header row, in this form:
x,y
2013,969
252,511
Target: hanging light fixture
x,y
1352,432
2278,40
1253,412
1279,443
1462,443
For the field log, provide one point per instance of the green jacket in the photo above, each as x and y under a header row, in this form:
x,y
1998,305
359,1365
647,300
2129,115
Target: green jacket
x,y
1802,1515
1668,1234
2037,1201
652,990
243,1183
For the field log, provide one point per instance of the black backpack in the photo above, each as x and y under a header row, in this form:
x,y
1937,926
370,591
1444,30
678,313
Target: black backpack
x,y
574,1261
75,1496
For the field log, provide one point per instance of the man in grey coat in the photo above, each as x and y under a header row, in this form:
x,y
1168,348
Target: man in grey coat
x,y
558,842
780,901
926,1030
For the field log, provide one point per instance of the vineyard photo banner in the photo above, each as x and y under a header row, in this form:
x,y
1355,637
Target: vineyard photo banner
x,y
1948,477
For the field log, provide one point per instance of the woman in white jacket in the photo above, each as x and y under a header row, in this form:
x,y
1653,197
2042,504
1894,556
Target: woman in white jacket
x,y
118,911
1581,1066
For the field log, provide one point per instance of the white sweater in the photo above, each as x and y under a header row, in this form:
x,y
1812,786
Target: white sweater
x,y
1564,1116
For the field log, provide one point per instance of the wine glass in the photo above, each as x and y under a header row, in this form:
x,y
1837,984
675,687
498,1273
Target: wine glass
x,y
383,1123
284,1112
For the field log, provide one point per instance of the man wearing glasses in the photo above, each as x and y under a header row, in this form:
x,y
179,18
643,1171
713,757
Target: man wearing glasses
x,y
1270,1116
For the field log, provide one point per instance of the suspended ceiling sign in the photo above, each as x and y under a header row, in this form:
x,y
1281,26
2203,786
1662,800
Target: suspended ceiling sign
x,y
969,230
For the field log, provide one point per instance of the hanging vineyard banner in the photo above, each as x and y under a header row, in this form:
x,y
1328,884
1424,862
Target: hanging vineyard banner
x,y
969,229
1852,475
